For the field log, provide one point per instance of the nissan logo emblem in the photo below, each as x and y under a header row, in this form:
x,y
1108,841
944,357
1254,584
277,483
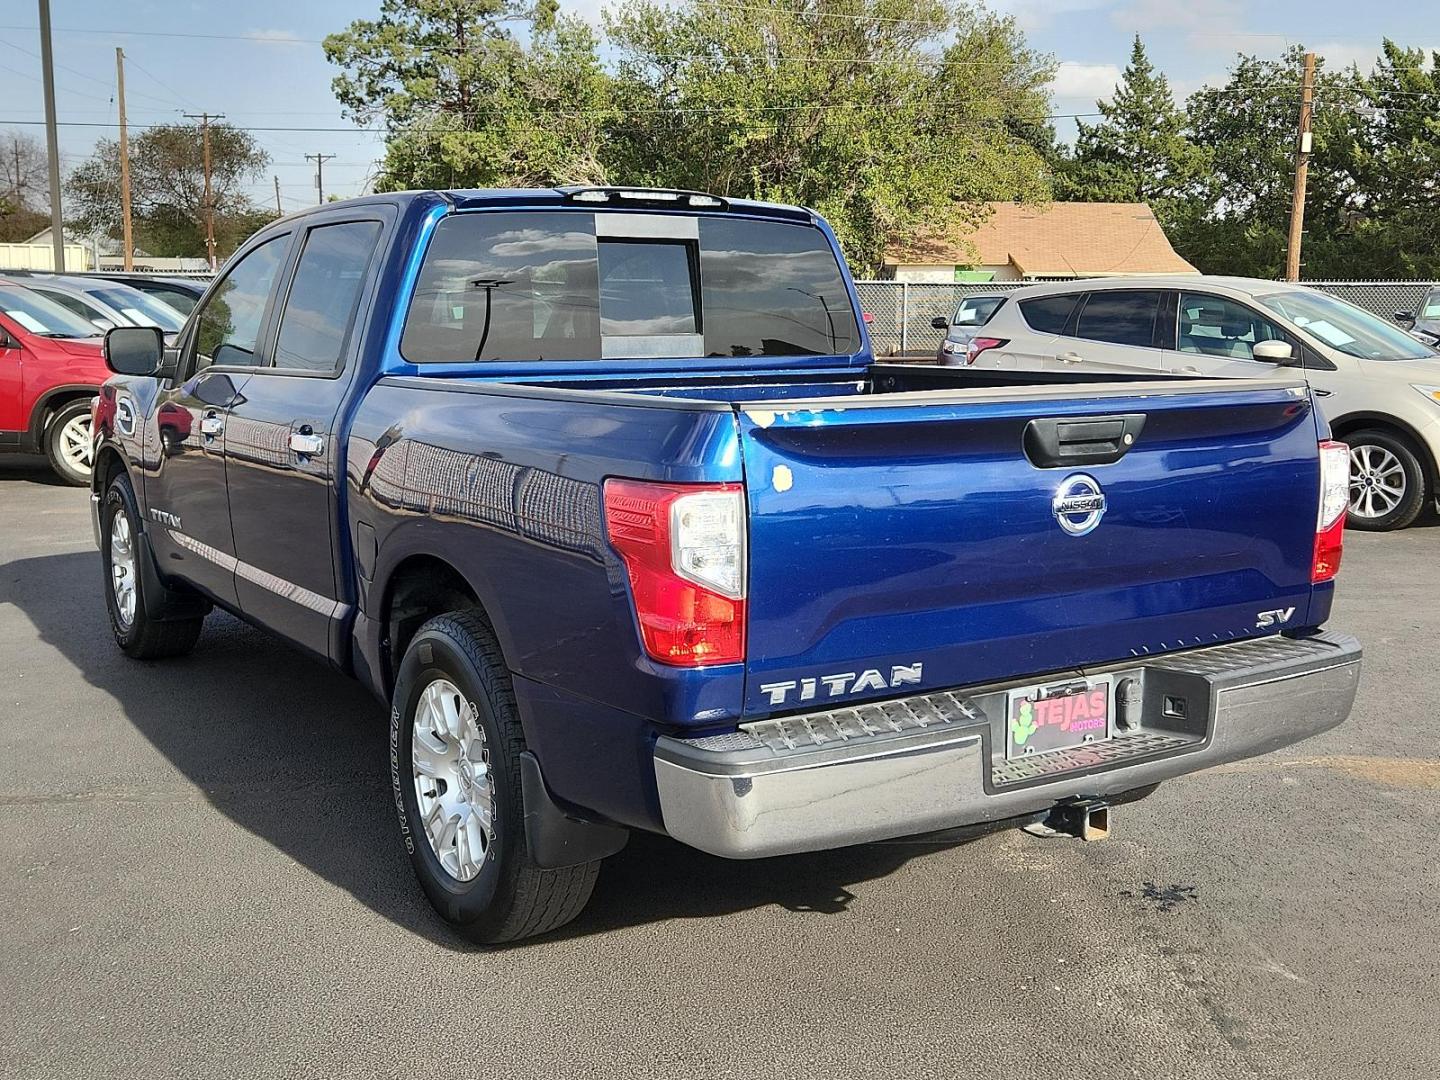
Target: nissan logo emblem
x,y
1079,504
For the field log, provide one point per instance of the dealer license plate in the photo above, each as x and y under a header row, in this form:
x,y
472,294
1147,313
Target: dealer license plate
x,y
1057,716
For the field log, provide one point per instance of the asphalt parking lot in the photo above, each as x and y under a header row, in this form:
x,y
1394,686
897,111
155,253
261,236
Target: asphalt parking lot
x,y
198,877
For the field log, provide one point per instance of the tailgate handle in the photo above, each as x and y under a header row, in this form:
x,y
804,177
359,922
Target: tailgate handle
x,y
1056,441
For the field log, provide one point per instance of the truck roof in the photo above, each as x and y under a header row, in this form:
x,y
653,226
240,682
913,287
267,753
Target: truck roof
x,y
595,197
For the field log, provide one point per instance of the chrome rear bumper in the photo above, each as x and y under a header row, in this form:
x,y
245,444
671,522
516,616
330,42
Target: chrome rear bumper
x,y
936,761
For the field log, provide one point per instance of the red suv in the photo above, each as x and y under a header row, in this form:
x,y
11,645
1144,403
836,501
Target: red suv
x,y
51,365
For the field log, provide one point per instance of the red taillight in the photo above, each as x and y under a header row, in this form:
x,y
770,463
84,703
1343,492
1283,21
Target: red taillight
x,y
684,551
980,344
1330,519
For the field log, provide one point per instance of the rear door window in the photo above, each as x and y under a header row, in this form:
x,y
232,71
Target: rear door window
x,y
1120,317
544,286
321,304
1049,314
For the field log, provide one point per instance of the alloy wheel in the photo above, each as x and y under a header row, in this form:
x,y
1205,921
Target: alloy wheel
x,y
75,443
122,567
1377,481
453,784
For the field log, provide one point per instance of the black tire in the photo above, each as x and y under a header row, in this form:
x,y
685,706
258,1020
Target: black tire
x,y
54,442
1373,444
510,897
139,636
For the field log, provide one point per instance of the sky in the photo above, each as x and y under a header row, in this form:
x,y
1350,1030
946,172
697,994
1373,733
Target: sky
x,y
259,63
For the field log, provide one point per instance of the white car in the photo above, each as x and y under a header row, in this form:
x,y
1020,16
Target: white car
x,y
1379,387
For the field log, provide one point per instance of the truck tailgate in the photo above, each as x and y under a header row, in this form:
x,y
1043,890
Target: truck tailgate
x,y
910,541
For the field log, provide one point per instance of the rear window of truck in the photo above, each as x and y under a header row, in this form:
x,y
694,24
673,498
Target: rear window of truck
x,y
501,286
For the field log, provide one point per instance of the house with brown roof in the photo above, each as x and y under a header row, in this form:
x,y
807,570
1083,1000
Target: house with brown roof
x,y
1056,241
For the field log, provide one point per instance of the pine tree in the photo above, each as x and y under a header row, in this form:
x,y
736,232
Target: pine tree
x,y
1139,151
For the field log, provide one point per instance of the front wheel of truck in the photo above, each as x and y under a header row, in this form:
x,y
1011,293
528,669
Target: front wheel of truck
x,y
136,631
455,753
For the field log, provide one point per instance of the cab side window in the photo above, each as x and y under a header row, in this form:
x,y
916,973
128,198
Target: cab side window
x,y
1216,326
229,322
328,281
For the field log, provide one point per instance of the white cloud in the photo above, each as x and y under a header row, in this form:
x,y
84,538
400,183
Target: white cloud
x,y
1090,82
1034,14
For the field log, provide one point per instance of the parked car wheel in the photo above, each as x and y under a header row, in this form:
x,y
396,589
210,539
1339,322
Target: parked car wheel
x,y
455,746
137,634
67,442
1387,481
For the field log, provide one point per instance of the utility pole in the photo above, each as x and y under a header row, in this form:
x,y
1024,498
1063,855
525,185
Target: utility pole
x,y
1302,168
52,138
320,160
205,119
278,208
125,237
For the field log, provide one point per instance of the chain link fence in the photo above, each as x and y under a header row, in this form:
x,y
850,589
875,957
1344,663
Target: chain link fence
x,y
901,311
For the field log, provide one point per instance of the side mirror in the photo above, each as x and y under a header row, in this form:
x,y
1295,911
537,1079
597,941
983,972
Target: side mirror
x,y
1273,352
135,350
940,322
1404,318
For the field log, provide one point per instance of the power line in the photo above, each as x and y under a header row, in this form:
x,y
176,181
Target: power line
x,y
76,72
175,34
182,102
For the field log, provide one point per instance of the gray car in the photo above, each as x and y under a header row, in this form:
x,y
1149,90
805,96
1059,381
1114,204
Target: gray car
x,y
1378,385
963,339
1424,323
104,303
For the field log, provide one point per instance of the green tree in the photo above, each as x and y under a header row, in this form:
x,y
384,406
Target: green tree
x,y
1394,219
1139,151
1249,127
468,104
167,189
890,117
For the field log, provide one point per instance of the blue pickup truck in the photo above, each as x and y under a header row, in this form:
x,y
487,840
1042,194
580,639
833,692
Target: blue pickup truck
x,y
604,492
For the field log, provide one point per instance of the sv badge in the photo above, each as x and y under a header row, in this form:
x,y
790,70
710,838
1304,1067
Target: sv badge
x,y
1278,617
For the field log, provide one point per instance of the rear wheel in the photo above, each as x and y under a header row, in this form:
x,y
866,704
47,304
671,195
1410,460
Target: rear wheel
x,y
1387,481
137,634
67,442
455,746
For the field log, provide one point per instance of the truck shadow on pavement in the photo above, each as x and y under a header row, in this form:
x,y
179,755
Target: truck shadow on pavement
x,y
298,756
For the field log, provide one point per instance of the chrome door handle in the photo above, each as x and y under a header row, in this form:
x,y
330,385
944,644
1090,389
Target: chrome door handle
x,y
1070,358
307,445
211,425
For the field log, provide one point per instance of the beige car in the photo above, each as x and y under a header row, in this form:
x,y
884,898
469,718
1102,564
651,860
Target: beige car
x,y
1379,387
